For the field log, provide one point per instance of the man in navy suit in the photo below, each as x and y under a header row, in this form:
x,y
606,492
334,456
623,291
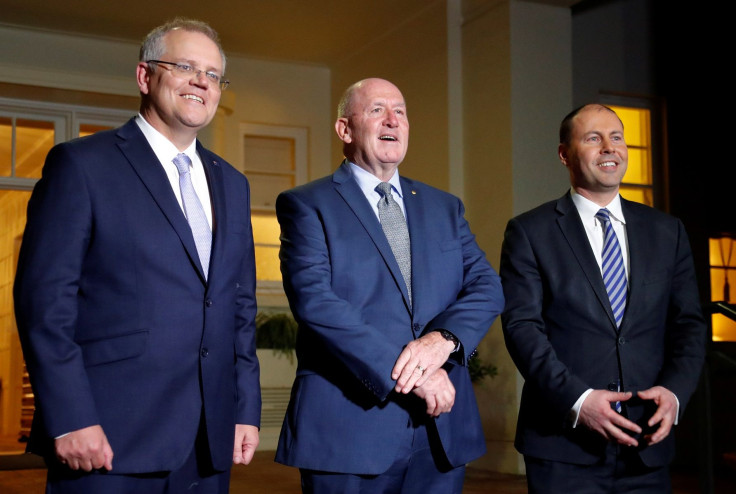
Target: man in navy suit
x,y
135,292
382,400
606,375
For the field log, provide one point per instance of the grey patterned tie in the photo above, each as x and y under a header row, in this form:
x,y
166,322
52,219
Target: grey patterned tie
x,y
397,234
194,211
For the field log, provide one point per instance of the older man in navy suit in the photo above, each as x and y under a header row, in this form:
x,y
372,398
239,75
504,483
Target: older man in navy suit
x,y
135,292
603,320
392,295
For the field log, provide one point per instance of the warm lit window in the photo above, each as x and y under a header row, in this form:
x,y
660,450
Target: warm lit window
x,y
24,143
266,238
89,129
274,159
29,129
637,184
723,283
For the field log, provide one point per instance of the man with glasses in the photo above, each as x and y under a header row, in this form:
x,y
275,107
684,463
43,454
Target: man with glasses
x,y
135,292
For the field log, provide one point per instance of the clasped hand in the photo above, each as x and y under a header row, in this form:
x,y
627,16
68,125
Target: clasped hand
x,y
596,414
418,369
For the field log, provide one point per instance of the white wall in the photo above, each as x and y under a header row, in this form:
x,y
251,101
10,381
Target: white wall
x,y
261,91
282,94
541,95
47,59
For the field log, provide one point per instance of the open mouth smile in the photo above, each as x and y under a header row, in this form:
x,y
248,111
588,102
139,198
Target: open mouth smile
x,y
194,98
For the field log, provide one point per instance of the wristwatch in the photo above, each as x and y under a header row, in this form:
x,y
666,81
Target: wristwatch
x,y
450,337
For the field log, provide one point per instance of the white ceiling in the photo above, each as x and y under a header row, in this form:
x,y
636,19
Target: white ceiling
x,y
319,32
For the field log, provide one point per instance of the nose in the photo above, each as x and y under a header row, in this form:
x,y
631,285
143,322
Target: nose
x,y
607,146
391,119
200,78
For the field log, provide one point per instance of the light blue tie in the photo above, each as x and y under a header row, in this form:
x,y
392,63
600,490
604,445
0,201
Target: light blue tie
x,y
614,272
397,234
194,212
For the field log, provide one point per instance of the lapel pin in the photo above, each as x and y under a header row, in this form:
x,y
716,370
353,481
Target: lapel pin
x,y
413,192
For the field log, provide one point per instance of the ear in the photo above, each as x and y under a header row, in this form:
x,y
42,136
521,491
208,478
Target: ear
x,y
142,76
562,153
343,130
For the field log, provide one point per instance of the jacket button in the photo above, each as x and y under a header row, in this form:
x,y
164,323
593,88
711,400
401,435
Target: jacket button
x,y
204,352
621,340
208,302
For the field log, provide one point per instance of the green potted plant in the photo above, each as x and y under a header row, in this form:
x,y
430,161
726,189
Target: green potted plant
x,y
479,370
276,331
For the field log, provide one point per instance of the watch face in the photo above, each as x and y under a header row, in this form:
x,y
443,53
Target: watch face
x,y
448,336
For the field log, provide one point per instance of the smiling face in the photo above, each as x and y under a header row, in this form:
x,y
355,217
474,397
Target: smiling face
x,y
595,154
375,127
176,106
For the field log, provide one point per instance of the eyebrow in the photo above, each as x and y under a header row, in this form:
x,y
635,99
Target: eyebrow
x,y
600,133
193,63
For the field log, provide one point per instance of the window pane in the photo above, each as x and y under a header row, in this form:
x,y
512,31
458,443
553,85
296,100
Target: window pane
x,y
639,170
723,284
89,129
637,194
719,290
722,251
34,139
6,148
269,154
636,125
13,205
265,228
724,329
267,263
265,188
266,237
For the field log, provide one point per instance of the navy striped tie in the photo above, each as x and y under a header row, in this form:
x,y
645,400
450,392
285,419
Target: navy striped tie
x,y
614,273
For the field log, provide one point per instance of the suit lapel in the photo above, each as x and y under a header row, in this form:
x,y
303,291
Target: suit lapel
x,y
141,157
349,190
574,233
213,170
416,218
635,237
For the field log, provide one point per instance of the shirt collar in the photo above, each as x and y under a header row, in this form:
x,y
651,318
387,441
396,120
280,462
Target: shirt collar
x,y
164,148
588,209
368,182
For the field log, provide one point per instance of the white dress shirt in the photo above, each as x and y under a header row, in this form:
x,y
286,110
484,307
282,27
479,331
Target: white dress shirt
x,y
166,152
368,182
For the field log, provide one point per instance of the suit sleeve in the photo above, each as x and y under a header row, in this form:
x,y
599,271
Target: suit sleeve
x,y
524,328
340,326
686,328
247,371
480,299
46,288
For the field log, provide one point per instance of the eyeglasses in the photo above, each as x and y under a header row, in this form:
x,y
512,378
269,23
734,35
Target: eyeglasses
x,y
185,70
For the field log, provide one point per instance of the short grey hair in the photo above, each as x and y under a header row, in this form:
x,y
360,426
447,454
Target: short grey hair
x,y
153,46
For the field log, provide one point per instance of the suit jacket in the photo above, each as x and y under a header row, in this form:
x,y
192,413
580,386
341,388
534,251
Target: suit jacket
x,y
118,325
562,335
348,295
